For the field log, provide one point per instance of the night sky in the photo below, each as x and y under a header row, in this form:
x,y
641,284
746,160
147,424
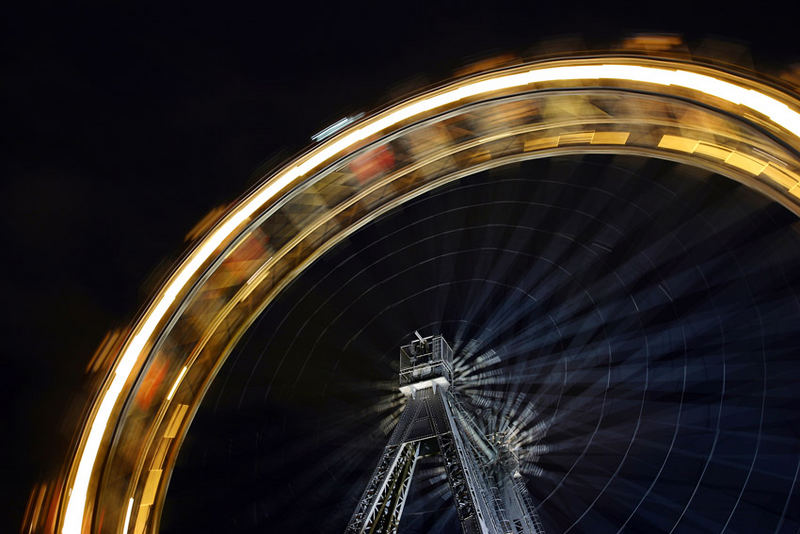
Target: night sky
x,y
125,124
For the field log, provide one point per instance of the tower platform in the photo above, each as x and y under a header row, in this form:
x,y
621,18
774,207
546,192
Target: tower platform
x,y
489,497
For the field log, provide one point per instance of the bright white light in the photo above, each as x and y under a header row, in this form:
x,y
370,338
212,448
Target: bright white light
x,y
127,516
770,107
177,382
335,127
709,85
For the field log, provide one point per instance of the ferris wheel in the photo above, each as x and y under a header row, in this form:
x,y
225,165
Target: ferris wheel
x,y
608,242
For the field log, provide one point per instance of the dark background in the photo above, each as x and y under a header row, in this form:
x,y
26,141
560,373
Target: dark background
x,y
125,124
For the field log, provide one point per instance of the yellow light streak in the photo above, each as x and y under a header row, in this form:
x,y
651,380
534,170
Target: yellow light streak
x,y
764,104
127,516
577,138
177,381
174,423
779,176
610,138
714,151
541,143
747,163
676,142
150,487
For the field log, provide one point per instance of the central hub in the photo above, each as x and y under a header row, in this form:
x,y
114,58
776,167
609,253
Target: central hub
x,y
426,362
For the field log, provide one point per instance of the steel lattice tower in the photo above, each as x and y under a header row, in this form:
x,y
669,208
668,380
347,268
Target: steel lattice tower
x,y
489,493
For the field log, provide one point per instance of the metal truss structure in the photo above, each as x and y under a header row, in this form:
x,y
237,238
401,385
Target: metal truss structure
x,y
488,493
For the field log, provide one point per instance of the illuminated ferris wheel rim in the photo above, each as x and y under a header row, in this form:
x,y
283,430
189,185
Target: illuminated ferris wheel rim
x,y
739,100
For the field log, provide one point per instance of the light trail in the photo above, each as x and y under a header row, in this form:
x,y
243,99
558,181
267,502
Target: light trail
x,y
127,516
770,107
335,127
177,383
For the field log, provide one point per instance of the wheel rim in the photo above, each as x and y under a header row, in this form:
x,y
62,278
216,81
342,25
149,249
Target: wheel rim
x,y
121,466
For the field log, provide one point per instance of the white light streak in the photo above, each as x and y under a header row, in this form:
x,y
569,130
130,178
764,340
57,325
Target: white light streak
x,y
177,381
127,516
335,127
764,104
